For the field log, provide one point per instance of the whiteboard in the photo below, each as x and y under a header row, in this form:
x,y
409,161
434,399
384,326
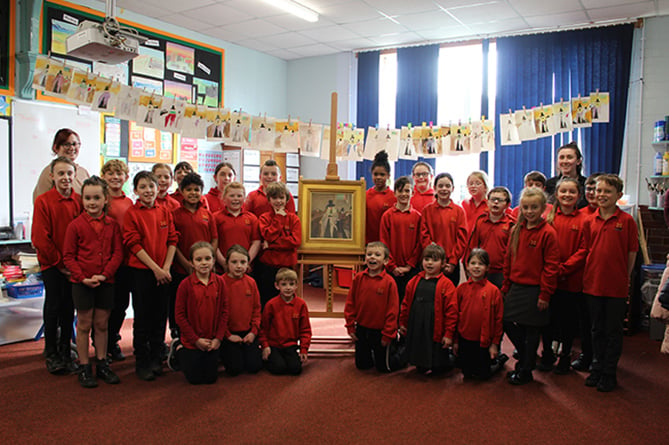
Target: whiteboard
x,y
5,219
34,125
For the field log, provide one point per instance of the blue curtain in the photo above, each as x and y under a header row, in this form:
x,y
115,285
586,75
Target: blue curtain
x,y
417,92
579,62
368,102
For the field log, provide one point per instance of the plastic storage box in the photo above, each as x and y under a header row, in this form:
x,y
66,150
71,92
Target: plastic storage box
x,y
20,290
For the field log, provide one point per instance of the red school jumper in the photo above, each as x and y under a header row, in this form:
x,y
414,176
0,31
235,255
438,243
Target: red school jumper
x,y
169,202
569,229
284,323
536,260
400,231
377,203
214,200
93,246
201,310
445,306
243,304
151,229
258,203
283,233
446,226
609,243
481,310
493,237
472,211
118,205
242,229
193,227
373,302
53,213
420,199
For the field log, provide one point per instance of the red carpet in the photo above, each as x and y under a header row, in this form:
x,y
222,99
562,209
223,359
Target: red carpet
x,y
332,402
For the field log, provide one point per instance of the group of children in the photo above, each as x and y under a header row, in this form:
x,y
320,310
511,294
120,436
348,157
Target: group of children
x,y
528,272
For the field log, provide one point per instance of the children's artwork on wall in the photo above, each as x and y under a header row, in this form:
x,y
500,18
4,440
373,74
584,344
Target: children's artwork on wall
x,y
446,140
355,144
387,139
508,130
599,106
194,124
240,129
82,88
180,58
127,103
147,110
325,143
310,139
286,136
525,124
562,116
118,72
61,81
206,92
218,124
60,31
150,62
148,85
459,139
177,90
106,93
475,138
170,115
44,73
407,148
543,120
487,135
581,113
262,133
431,142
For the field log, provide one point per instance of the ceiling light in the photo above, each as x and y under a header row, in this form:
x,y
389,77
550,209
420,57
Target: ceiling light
x,y
297,9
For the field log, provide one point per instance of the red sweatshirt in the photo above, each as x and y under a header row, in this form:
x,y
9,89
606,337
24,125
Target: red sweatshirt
x,y
445,307
53,213
169,202
214,200
242,229
569,229
536,261
493,237
472,211
609,244
400,231
377,203
284,236
201,310
481,310
258,204
446,226
420,199
243,304
285,324
193,227
118,205
151,229
373,302
93,247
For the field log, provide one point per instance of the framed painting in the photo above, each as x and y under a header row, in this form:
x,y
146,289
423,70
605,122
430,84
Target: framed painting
x,y
332,215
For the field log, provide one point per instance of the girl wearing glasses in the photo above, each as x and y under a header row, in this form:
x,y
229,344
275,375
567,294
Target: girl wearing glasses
x,y
66,143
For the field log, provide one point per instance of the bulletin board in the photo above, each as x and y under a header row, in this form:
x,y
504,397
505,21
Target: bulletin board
x,y
149,145
7,31
168,64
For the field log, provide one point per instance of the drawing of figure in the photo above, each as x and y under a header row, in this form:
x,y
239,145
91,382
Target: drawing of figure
x,y
237,131
150,111
308,144
543,124
329,221
103,100
58,83
344,224
170,116
81,91
429,145
595,108
458,141
90,91
408,147
218,128
563,117
580,114
43,76
508,128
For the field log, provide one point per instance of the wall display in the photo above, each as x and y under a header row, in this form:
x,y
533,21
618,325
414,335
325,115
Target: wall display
x,y
310,139
7,58
599,106
150,145
581,115
508,130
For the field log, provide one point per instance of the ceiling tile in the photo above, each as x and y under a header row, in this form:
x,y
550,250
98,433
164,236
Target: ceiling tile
x,y
396,39
181,5
426,20
184,21
289,21
262,45
227,35
632,10
446,33
284,54
534,7
374,27
397,7
289,40
663,7
499,27
314,50
144,8
547,21
255,8
592,4
330,34
348,45
255,28
484,13
349,12
218,15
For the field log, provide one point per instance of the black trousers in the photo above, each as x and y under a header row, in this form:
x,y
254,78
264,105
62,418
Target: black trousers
x,y
474,360
284,361
584,327
455,275
403,281
58,311
526,341
563,323
149,301
496,278
177,278
241,357
199,367
122,281
264,275
608,317
369,351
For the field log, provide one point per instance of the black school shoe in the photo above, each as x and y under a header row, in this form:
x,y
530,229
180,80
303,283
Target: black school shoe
x,y
54,364
607,383
546,362
593,379
581,363
86,377
115,353
172,361
104,372
519,377
562,367
145,374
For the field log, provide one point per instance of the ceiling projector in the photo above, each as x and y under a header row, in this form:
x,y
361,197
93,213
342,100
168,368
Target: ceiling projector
x,y
105,42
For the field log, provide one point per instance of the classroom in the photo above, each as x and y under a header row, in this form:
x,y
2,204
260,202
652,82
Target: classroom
x,y
342,98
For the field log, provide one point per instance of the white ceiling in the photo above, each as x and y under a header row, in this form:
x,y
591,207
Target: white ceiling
x,y
346,25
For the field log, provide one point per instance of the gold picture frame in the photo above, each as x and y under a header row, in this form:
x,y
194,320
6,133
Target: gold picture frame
x,y
332,215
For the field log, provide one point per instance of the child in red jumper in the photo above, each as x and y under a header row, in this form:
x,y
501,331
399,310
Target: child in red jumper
x,y
530,278
568,220
282,235
115,173
534,179
163,174
149,235
257,202
241,349
285,332
54,210
481,309
379,198
423,193
93,253
180,171
444,223
491,233
476,205
194,223
400,231
202,315
429,315
371,310
224,174
612,240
